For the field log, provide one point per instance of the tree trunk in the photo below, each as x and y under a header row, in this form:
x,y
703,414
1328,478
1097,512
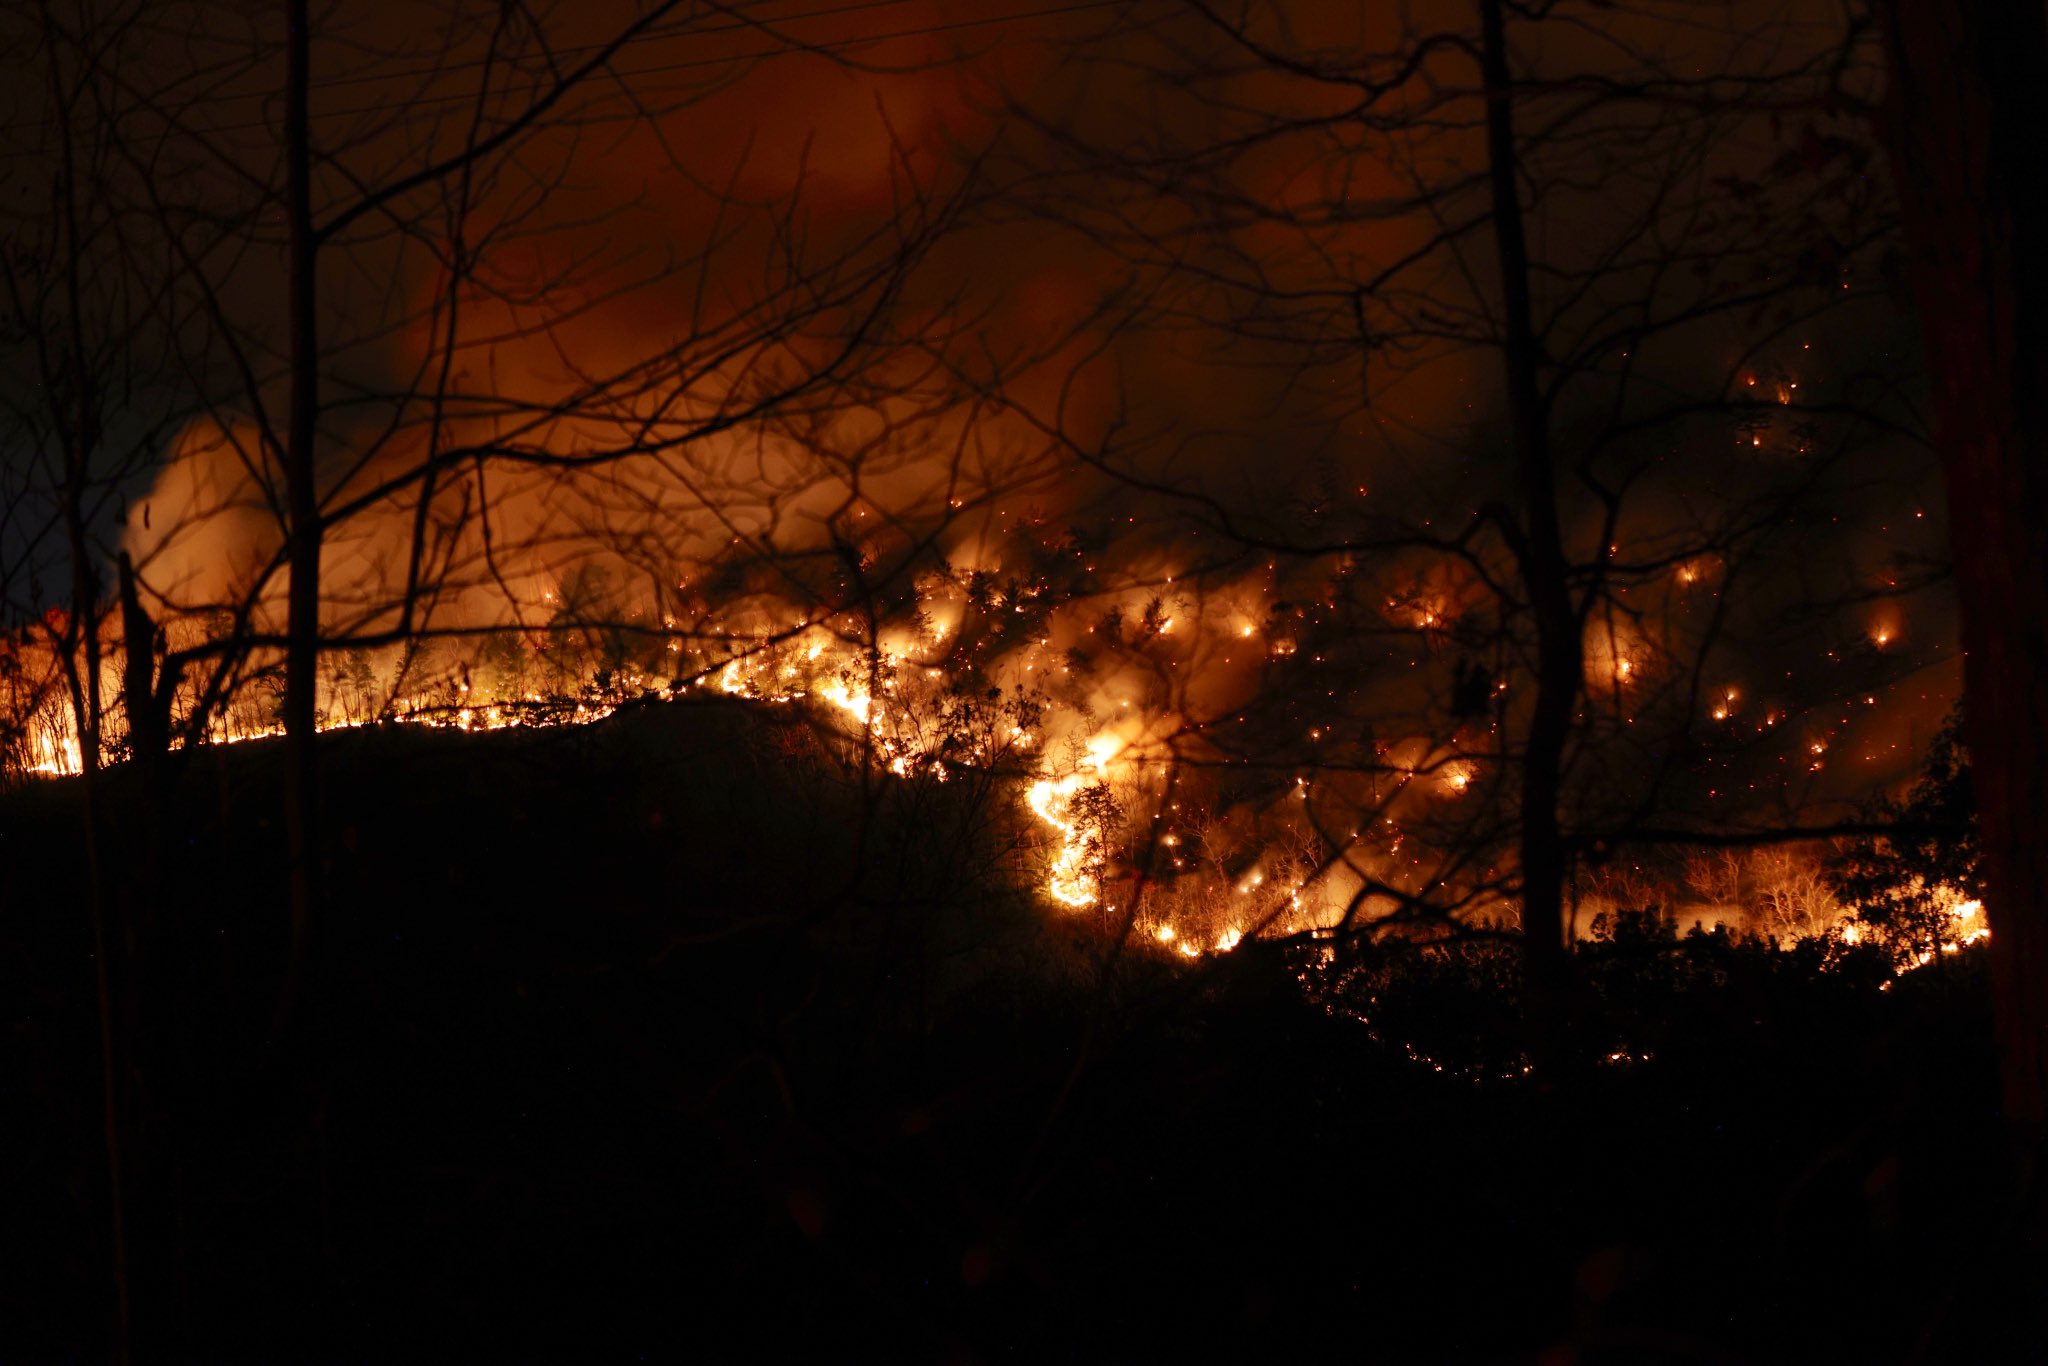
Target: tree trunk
x,y
79,431
302,501
1969,141
1544,570
149,737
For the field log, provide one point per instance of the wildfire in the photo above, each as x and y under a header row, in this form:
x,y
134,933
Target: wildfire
x,y
1070,879
1965,925
1083,760
854,701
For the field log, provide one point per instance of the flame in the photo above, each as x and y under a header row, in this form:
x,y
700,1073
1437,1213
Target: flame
x,y
852,700
1069,879
1069,764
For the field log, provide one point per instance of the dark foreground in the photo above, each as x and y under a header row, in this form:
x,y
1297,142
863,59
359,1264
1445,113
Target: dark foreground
x,y
601,1053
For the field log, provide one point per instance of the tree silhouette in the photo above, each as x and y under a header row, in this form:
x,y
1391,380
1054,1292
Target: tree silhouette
x,y
1562,236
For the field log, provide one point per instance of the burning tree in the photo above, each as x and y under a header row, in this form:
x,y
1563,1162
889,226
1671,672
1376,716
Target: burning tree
x,y
1919,890
1520,293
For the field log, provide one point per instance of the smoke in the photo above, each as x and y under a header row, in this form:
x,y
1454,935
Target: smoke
x,y
1031,364
208,528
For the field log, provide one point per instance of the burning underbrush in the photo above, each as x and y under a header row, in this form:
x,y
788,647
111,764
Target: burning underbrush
x,y
1173,767
1144,794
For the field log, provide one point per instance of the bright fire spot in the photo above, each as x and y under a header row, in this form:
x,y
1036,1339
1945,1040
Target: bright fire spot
x,y
853,701
1069,880
1966,927
1101,749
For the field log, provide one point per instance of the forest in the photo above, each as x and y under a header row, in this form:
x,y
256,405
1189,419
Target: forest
x,y
1138,679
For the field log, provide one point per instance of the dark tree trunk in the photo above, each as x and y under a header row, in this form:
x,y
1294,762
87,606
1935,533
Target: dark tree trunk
x,y
1969,142
79,430
1540,551
149,728
302,620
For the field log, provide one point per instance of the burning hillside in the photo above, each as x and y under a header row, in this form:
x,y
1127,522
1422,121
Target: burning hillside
x,y
1190,787
933,678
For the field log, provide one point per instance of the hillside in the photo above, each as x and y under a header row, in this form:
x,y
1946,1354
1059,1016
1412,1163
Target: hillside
x,y
602,1053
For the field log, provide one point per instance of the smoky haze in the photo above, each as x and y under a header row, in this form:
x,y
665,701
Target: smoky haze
x,y
796,317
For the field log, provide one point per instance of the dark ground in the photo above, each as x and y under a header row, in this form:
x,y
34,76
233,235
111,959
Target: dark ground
x,y
600,1057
